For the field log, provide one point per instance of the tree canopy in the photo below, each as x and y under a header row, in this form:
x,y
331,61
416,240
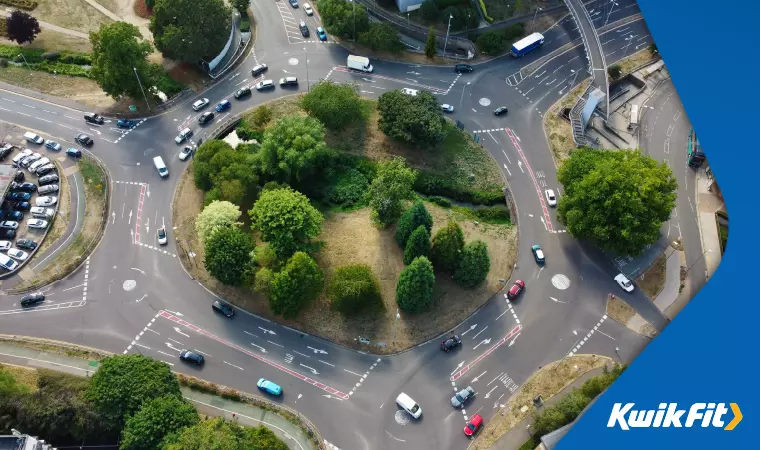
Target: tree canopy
x,y
118,50
156,419
216,215
335,105
392,184
448,244
295,286
286,220
21,27
412,218
382,36
414,290
226,173
342,18
411,118
291,146
474,264
228,255
417,245
189,30
353,289
617,200
219,434
431,43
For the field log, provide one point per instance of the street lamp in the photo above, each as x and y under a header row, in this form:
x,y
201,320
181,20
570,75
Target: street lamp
x,y
398,316
447,35
695,261
306,57
533,23
462,97
27,63
614,4
141,88
630,41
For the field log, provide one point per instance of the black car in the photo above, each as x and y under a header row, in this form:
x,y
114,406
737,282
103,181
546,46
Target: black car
x,y
240,93
7,235
22,206
32,299
26,244
83,139
18,216
223,308
94,118
5,150
23,187
187,355
7,206
206,117
500,110
48,179
259,69
451,343
304,29
19,177
462,68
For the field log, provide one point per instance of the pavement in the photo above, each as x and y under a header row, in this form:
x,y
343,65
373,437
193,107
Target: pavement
x,y
670,290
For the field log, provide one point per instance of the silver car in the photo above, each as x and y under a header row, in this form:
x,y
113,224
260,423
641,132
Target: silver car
x,y
462,396
47,189
200,104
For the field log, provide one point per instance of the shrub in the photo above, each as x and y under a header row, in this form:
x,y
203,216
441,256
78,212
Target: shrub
x,y
428,183
349,190
51,56
21,4
417,215
414,290
353,289
474,265
447,247
168,85
493,214
440,201
417,245
3,62
295,286
514,32
246,133
492,42
261,116
614,71
485,13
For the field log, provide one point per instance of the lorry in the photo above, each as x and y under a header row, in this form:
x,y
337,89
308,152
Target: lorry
x,y
527,44
359,63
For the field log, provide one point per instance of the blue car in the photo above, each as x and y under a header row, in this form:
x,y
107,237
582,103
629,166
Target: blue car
x,y
321,33
224,104
124,123
19,196
538,253
52,145
75,152
269,387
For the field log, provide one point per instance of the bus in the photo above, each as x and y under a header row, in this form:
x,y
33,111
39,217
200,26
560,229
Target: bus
x,y
527,44
694,150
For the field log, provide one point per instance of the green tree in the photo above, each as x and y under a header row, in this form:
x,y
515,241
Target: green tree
x,y
203,171
491,43
124,382
215,216
392,184
189,30
286,220
518,5
448,244
382,36
474,264
291,146
118,49
344,19
414,290
429,11
295,286
156,419
335,105
353,289
431,43
219,434
261,116
653,49
263,281
616,200
416,119
418,244
614,71
412,218
9,387
241,6
228,255
21,27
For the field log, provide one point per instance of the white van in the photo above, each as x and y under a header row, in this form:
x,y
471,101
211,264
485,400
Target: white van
x,y
32,137
7,263
160,166
409,405
42,213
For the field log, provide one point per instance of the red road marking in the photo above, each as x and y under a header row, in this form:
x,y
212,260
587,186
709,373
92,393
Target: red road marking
x,y
535,183
501,342
422,86
139,213
301,377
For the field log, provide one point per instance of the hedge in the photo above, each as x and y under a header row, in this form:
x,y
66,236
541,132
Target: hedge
x,y
61,69
431,184
21,4
245,24
493,214
440,201
485,13
35,55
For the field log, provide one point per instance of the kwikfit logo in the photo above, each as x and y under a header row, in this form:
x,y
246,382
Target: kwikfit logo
x,y
668,415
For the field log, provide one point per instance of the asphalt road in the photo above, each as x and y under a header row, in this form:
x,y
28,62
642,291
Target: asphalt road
x,y
134,296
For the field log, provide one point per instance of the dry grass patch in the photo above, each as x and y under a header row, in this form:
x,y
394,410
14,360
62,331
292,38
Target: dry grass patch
x,y
547,382
54,41
23,375
558,130
652,281
619,310
72,14
80,89
630,63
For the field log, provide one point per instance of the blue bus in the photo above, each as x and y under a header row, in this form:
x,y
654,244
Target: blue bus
x,y
527,44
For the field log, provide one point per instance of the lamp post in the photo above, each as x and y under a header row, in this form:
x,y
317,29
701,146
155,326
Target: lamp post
x,y
614,4
695,261
447,35
306,57
533,23
24,58
141,88
462,97
398,316
630,41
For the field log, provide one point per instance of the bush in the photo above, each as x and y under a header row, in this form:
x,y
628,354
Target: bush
x,y
335,105
493,214
492,42
414,290
51,56
514,32
417,245
429,11
3,62
474,265
168,85
353,289
295,286
614,71
447,248
440,201
428,183
246,133
245,24
442,4
349,190
417,215
21,4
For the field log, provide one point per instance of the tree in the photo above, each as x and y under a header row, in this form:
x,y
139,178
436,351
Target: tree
x,y
291,146
219,434
382,36
22,27
431,43
429,11
614,71
228,255
617,200
392,184
474,264
261,116
343,19
295,286
416,119
241,6
118,50
418,244
354,289
215,216
286,220
9,387
417,215
189,30
518,5
448,244
335,105
157,418
491,42
414,290
202,170
124,382
653,49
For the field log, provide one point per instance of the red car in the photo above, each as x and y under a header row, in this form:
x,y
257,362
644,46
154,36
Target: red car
x,y
473,425
515,290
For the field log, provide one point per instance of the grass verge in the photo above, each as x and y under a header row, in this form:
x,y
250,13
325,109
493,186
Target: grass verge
x,y
619,310
48,346
634,61
82,90
23,375
558,130
72,14
652,281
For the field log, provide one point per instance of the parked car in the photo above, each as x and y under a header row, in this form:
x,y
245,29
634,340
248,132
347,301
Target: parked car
x,y
447,108
83,139
307,9
269,387
48,179
458,400
44,213
624,282
550,198
5,245
47,189
289,81
12,215
18,254
37,224
23,187
462,68
304,29
412,92
32,299
224,104
19,196
186,152
9,224
515,290
19,177
5,150
200,104
39,163
52,145
240,93
538,253
94,118
472,427
187,355
500,110
321,34
206,117
75,152
26,244
184,134
259,69
223,308
22,206
161,236
44,169
21,155
26,162
46,201
451,343
266,84
125,123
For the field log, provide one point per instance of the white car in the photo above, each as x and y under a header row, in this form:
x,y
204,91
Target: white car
x,y
307,9
412,92
184,134
18,254
5,245
37,223
409,405
46,201
39,163
200,104
161,236
447,108
266,84
550,198
42,212
9,224
22,155
186,152
624,282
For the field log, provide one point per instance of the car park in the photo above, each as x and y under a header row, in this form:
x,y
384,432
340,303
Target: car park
x,y
307,9
304,29
409,405
48,179
17,254
500,111
624,282
52,145
294,3
184,134
47,189
44,169
161,236
472,427
186,152
462,68
45,213
200,104
289,81
187,355
321,34
224,104
269,387
21,155
451,343
32,299
550,198
266,84
22,206
74,152
206,117
9,224
94,118
538,254
19,196
83,139
37,224
39,163
515,290
259,69
26,244
461,397
46,201
447,108
224,308
125,123
23,187
242,92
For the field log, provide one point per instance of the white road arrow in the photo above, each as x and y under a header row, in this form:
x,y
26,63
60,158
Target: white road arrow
x,y
558,301
175,313
233,76
484,341
268,331
519,164
263,350
132,234
113,217
489,392
95,130
148,192
367,92
458,367
285,71
544,222
130,217
169,344
147,226
313,370
513,340
316,350
478,377
330,396
141,271
472,327
415,73
507,169
368,80
177,329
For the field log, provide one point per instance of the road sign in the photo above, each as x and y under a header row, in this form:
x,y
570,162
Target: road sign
x,y
132,108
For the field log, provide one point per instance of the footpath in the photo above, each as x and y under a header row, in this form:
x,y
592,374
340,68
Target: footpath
x,y
206,404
